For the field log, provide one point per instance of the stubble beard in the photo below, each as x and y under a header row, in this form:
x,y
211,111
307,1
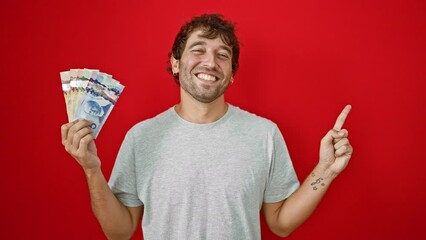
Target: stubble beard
x,y
203,93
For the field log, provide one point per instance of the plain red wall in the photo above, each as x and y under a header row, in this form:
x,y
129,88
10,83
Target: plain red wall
x,y
301,62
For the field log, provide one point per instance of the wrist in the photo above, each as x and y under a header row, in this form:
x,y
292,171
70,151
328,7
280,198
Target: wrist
x,y
325,172
91,172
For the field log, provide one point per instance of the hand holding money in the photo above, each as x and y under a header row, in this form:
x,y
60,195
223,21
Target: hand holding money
x,y
91,95
78,141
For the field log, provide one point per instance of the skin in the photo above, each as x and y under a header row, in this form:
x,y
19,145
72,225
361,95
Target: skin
x,y
116,220
335,152
204,102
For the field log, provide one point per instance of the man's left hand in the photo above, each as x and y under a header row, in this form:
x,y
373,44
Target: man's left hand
x,y
335,149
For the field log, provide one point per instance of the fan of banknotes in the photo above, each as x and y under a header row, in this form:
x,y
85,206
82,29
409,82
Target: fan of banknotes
x,y
90,94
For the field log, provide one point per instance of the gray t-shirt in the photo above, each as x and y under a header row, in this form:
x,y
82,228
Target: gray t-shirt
x,y
203,181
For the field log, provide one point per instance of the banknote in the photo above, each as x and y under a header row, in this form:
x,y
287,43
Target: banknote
x,y
90,94
73,73
78,88
65,80
102,93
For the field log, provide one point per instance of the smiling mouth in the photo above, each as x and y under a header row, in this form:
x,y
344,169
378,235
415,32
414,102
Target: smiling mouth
x,y
206,77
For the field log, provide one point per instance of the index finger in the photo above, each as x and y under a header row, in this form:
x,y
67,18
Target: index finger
x,y
342,117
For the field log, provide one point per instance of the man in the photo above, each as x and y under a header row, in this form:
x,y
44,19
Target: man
x,y
204,169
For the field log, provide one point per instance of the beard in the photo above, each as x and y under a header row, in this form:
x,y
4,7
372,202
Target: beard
x,y
201,92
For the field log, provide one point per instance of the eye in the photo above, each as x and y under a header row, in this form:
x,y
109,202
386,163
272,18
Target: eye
x,y
223,56
197,51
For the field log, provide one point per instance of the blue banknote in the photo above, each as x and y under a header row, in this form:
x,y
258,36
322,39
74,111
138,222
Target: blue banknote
x,y
101,95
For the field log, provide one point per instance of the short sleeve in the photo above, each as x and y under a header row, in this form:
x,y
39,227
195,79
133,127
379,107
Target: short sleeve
x,y
123,177
282,179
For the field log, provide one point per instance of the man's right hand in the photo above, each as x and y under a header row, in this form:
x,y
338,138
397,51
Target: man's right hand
x,y
78,141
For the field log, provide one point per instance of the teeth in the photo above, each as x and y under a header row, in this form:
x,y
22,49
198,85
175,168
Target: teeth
x,y
206,77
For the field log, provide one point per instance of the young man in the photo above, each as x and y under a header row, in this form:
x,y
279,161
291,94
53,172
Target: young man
x,y
204,169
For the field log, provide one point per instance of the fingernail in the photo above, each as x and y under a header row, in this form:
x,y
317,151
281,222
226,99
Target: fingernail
x,y
341,133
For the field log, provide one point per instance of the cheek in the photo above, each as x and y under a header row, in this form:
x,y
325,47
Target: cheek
x,y
226,68
194,60
187,65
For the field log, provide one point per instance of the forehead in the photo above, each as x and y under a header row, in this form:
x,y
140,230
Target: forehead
x,y
197,36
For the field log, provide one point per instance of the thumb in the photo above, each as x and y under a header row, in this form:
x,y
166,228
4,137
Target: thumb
x,y
332,135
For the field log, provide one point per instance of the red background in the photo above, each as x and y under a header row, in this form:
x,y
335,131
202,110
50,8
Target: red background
x,y
301,62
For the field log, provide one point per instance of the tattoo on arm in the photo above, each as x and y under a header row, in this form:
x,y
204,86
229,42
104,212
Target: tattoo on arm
x,y
317,182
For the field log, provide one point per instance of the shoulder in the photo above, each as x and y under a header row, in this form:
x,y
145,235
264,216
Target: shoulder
x,y
251,120
151,124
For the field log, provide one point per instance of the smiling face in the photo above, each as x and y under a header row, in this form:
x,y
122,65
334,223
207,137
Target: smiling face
x,y
205,68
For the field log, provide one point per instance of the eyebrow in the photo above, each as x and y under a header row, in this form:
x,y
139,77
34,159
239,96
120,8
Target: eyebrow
x,y
202,43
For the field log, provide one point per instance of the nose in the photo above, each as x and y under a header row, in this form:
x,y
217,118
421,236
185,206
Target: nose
x,y
209,60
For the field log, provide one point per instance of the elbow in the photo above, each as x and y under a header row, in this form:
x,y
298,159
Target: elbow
x,y
117,236
282,232
114,234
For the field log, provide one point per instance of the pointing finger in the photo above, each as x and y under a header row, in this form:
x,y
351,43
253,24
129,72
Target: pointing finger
x,y
342,117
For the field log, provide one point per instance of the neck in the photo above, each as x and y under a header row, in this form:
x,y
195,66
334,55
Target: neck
x,y
198,112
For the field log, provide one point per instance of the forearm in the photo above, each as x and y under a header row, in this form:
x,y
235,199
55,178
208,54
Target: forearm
x,y
113,216
335,152
300,205
117,221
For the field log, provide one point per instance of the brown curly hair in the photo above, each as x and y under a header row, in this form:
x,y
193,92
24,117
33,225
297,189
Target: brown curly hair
x,y
212,26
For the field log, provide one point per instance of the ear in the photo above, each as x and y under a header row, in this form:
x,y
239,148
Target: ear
x,y
175,64
232,79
